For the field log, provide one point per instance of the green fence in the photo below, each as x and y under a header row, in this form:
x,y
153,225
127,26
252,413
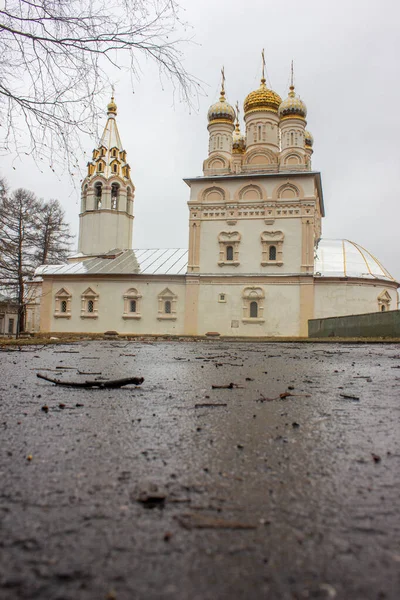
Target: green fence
x,y
379,324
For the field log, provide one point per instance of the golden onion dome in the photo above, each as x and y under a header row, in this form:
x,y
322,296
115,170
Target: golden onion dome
x,y
292,107
112,107
221,111
238,141
308,139
262,99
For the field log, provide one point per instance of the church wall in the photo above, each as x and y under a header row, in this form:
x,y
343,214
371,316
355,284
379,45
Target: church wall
x,y
268,184
250,246
278,307
110,304
350,297
104,229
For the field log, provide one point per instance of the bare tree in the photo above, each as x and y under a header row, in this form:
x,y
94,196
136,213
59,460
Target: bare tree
x,y
54,60
18,231
53,237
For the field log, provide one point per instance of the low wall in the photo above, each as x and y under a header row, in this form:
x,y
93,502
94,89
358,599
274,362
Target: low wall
x,y
378,324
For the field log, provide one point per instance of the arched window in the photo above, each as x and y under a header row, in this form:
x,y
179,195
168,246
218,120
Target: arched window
x,y
89,304
98,192
384,300
167,305
229,248
272,248
115,168
253,309
259,133
253,305
63,304
114,196
100,167
132,299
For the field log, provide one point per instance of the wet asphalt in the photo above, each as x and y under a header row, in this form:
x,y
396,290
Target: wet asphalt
x,y
175,490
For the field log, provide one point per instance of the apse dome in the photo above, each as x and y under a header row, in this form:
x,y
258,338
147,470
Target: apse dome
x,y
308,139
262,99
238,141
221,111
292,107
343,258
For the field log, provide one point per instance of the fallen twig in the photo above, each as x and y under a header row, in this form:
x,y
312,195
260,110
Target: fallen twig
x,y
111,383
229,386
197,521
89,372
349,397
282,397
210,404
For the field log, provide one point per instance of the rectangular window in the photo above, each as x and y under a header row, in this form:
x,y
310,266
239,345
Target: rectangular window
x,y
11,326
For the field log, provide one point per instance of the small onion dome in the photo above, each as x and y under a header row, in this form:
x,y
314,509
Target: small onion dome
x,y
262,99
112,107
221,111
239,141
308,139
292,107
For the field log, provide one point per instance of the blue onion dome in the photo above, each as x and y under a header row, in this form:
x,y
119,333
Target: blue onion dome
x,y
292,107
308,139
238,140
221,111
262,99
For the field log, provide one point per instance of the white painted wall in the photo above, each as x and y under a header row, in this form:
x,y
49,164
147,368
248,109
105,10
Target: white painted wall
x,y
103,230
250,248
349,298
281,309
111,307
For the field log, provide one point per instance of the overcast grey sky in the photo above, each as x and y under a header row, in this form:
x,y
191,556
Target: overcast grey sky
x,y
346,58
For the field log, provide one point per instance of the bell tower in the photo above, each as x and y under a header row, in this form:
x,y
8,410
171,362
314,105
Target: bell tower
x,y
106,217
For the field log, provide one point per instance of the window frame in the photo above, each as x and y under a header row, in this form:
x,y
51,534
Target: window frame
x,y
87,296
252,294
163,297
132,294
272,239
225,240
63,295
384,301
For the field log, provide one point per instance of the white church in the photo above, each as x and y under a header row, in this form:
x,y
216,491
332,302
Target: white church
x,y
256,264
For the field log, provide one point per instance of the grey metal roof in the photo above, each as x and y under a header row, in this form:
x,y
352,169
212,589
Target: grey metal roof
x,y
334,258
153,261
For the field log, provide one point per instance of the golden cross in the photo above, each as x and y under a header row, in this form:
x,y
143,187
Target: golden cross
x,y
291,77
263,66
223,81
237,111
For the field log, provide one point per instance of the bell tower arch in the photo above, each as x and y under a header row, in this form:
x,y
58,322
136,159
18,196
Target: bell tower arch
x,y
106,216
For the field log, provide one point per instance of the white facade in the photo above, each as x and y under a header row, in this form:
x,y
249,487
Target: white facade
x,y
256,265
